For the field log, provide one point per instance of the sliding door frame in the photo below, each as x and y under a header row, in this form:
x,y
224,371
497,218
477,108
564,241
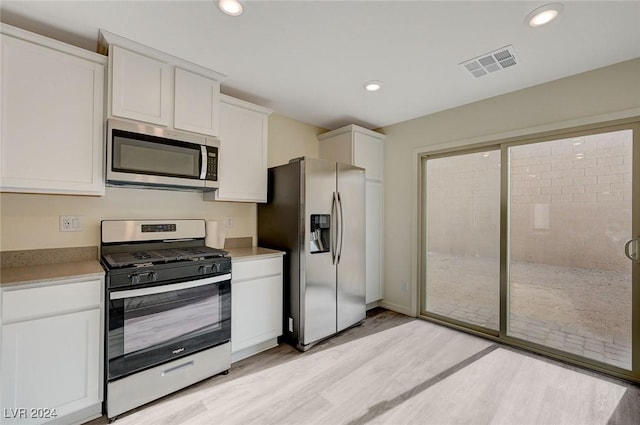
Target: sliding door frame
x,y
501,336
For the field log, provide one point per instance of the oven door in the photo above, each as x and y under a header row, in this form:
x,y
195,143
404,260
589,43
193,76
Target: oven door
x,y
152,325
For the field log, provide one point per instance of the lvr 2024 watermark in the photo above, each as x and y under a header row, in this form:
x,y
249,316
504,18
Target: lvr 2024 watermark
x,y
28,413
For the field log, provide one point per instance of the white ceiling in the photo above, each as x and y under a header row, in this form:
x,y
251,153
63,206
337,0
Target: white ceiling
x,y
308,59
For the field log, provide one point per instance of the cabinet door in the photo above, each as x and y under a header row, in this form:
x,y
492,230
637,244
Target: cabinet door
x,y
368,153
52,363
197,103
52,120
243,154
373,250
140,87
256,311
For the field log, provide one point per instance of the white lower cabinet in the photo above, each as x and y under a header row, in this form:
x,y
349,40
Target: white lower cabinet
x,y
256,305
51,366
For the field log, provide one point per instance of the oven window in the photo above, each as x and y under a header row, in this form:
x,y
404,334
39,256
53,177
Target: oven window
x,y
154,319
156,158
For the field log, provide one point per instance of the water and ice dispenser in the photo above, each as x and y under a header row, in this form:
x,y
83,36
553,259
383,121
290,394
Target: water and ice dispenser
x,y
320,228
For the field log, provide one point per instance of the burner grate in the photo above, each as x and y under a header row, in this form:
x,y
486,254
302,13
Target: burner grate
x,y
156,256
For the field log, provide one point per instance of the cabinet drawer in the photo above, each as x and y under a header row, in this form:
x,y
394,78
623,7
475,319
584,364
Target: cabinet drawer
x,y
43,301
252,269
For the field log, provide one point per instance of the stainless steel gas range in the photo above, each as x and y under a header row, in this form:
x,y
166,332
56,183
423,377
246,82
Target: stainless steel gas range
x,y
168,312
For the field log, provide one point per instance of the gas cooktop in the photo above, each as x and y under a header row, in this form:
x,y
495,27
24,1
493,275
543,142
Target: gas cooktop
x,y
159,256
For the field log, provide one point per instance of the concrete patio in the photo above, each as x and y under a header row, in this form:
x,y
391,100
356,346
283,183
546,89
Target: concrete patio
x,y
581,311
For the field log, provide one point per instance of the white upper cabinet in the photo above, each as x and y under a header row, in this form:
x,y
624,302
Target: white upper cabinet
x,y
243,151
197,103
368,153
51,132
356,146
154,87
139,87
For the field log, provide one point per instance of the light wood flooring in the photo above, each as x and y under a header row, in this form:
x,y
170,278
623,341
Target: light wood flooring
x,y
398,370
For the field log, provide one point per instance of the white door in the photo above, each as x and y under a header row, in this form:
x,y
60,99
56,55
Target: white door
x,y
197,103
52,363
373,237
140,87
51,135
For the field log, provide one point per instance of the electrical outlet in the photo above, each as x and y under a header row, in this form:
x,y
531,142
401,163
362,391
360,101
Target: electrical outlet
x,y
229,221
290,324
70,223
405,286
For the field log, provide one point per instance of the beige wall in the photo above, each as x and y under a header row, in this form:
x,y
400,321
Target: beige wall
x,y
607,90
290,139
31,221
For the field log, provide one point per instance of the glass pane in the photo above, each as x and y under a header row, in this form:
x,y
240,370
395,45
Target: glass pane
x,y
131,155
155,319
463,237
570,216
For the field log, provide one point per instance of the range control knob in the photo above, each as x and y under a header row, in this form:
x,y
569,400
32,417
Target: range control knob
x,y
134,279
153,276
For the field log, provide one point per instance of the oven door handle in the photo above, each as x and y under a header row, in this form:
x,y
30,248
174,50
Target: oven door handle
x,y
161,289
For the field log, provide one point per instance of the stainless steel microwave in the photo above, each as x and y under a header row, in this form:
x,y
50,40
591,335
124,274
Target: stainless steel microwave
x,y
145,156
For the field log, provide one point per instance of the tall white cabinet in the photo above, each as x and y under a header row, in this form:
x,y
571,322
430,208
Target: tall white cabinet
x,y
51,131
364,148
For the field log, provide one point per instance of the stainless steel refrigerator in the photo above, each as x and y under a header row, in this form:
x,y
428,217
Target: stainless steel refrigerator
x,y
315,212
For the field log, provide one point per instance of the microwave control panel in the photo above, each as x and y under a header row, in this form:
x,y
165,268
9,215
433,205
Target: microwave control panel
x,y
212,163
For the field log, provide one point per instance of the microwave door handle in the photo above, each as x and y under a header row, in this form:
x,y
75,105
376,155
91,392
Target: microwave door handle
x,y
203,162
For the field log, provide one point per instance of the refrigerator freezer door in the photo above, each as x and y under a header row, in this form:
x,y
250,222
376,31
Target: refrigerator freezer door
x,y
318,293
280,227
351,247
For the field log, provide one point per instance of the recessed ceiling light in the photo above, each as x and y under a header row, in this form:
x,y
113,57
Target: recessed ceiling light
x,y
373,85
231,7
544,14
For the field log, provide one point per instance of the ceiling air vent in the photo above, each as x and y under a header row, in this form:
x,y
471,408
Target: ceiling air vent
x,y
491,62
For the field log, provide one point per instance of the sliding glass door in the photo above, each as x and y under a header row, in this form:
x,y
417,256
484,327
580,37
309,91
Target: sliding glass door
x,y
570,215
463,237
529,242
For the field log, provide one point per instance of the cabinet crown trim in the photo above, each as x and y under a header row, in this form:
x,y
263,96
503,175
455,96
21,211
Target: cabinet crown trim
x,y
52,44
107,38
351,129
244,104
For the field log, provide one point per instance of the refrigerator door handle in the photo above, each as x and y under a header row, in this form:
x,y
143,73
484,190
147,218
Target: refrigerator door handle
x,y
334,228
341,229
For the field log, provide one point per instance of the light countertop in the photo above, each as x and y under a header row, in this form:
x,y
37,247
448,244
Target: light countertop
x,y
10,276
252,253
23,275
